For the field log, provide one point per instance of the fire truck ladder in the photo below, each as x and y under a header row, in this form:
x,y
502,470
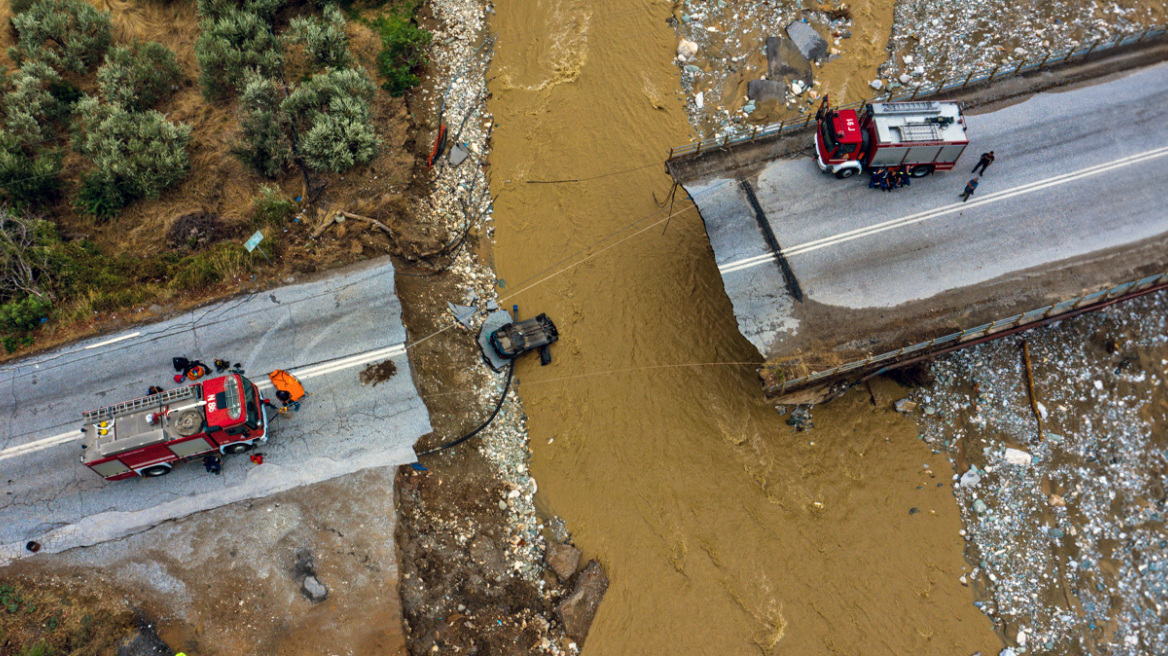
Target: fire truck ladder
x,y
919,132
152,401
913,107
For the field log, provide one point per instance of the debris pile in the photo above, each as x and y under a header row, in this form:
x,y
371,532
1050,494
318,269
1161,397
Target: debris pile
x,y
734,56
936,40
1067,535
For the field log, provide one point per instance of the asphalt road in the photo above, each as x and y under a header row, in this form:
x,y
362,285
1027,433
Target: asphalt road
x,y
325,331
1077,172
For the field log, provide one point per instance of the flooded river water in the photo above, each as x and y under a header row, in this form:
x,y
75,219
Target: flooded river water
x,y
722,529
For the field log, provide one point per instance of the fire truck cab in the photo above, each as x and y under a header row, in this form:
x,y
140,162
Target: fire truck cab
x,y
147,436
919,136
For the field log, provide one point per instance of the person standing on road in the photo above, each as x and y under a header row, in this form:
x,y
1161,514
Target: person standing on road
x,y
984,162
970,187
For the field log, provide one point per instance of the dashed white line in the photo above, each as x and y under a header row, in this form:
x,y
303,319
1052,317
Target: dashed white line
x,y
115,340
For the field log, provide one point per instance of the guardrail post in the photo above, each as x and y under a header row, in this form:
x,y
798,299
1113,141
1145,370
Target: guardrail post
x,y
699,149
1043,62
781,123
670,153
993,73
726,141
808,121
1093,45
967,79
1142,35
753,133
915,92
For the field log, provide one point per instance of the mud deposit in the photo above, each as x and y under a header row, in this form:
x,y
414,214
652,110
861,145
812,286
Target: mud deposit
x,y
723,530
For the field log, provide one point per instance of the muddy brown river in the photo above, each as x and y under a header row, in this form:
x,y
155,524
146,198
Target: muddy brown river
x,y
722,529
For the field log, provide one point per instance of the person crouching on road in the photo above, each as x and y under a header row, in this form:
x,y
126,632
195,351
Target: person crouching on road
x,y
876,180
213,464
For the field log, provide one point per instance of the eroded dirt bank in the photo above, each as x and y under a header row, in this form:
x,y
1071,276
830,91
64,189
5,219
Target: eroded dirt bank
x,y
724,530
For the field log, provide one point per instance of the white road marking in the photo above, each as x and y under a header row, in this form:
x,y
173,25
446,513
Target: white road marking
x,y
303,374
115,340
945,210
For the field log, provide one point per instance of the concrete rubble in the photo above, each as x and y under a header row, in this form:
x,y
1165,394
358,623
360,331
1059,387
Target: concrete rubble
x,y
1067,536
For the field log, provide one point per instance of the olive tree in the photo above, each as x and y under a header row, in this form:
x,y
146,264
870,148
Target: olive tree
x,y
69,35
139,76
235,39
134,155
330,113
324,40
266,143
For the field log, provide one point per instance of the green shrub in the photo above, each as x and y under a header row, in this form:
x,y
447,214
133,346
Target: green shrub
x,y
331,116
266,144
324,40
403,49
271,207
28,177
139,76
134,155
233,41
68,34
24,314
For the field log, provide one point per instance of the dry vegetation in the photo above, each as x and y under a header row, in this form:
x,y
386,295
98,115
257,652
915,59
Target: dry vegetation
x,y
60,617
185,247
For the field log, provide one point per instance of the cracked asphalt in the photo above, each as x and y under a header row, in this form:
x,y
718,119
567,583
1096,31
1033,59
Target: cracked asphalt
x,y
1075,189
314,327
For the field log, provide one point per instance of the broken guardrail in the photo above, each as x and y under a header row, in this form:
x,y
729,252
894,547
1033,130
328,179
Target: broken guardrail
x,y
1052,312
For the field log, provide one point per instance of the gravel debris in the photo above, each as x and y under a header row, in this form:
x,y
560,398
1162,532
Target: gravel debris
x,y
1067,535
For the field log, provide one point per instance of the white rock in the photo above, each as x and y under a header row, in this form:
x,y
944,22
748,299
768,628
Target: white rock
x,y
919,70
876,84
687,49
700,100
1099,385
1042,411
1018,457
908,59
905,78
797,87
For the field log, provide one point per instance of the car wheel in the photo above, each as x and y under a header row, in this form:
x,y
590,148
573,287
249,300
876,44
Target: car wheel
x,y
156,471
845,173
921,170
238,447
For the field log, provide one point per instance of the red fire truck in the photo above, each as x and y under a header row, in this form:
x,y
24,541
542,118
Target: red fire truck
x,y
918,136
147,436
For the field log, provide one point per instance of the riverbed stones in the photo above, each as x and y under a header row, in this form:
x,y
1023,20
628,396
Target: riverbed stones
x,y
563,559
764,90
807,40
686,50
579,609
786,62
314,589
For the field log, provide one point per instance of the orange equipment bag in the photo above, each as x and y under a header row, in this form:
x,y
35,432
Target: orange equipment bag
x,y
286,382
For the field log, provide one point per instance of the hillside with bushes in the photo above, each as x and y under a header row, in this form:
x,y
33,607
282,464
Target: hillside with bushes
x,y
142,142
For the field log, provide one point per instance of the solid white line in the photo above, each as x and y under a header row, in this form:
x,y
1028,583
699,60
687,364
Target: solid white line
x,y
911,219
303,374
112,341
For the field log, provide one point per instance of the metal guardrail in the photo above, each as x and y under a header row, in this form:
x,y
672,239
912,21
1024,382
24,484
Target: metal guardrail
x,y
975,77
983,330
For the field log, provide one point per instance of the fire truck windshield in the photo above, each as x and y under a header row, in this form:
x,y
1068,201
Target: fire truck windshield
x,y
829,140
249,401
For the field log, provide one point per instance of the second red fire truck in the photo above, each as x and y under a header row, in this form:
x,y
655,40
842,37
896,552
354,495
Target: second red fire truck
x,y
918,137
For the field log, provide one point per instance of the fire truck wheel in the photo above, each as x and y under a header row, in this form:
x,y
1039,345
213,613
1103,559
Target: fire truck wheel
x,y
238,447
920,170
845,173
156,471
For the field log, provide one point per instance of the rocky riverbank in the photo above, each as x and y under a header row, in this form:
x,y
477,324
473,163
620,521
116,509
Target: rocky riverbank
x,y
1065,527
472,547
